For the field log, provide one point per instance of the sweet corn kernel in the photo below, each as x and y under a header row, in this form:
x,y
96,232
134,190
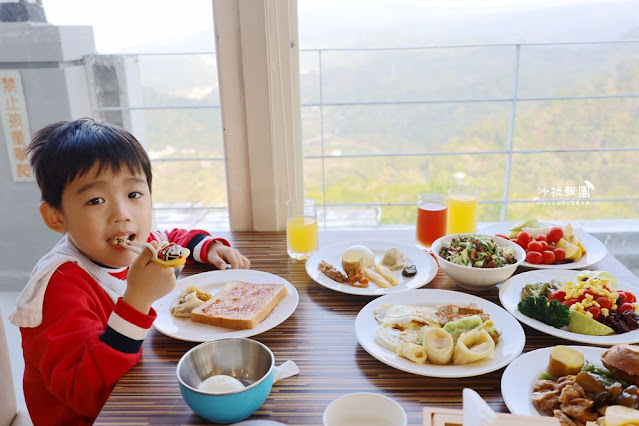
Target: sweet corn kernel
x,y
595,303
589,296
605,312
589,314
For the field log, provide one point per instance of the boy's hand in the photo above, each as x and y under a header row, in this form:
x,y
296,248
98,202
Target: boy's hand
x,y
147,281
220,254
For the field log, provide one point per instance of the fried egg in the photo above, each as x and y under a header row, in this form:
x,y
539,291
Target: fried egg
x,y
405,316
402,323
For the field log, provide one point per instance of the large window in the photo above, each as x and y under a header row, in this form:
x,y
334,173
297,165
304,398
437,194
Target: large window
x,y
530,101
399,100
160,59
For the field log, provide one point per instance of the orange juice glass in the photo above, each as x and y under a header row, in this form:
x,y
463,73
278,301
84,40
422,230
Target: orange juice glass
x,y
301,228
462,210
431,219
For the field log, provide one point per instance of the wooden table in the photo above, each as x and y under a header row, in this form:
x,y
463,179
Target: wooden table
x,y
319,336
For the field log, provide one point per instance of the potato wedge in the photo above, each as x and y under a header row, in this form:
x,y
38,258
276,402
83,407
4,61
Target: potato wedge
x,y
564,361
351,260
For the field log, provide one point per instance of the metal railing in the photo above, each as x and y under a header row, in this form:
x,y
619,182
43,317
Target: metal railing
x,y
513,99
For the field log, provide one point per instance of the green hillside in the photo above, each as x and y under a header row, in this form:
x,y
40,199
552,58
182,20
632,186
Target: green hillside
x,y
354,134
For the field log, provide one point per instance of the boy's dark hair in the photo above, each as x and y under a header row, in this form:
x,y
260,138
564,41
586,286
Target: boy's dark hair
x,y
61,151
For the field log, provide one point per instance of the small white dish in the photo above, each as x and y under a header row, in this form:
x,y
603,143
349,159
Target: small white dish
x,y
364,409
510,344
519,377
510,295
212,282
425,263
595,250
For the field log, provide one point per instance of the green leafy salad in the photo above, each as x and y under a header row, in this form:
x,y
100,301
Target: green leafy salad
x,y
477,251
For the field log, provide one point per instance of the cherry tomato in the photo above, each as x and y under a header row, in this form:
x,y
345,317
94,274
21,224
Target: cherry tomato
x,y
595,311
541,237
570,302
535,246
627,296
544,245
548,257
560,254
502,236
523,239
555,234
625,307
604,302
534,257
558,295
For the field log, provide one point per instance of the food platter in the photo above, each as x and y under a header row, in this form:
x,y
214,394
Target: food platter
x,y
425,263
509,295
510,345
595,250
519,377
212,282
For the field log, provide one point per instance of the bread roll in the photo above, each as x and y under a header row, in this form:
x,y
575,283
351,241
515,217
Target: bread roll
x,y
623,361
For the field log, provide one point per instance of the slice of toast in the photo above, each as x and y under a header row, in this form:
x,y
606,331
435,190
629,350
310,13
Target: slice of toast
x,y
240,305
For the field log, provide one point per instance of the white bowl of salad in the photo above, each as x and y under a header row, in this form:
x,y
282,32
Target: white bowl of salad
x,y
477,261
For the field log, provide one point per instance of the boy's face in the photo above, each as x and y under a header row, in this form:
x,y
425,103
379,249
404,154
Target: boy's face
x,y
97,207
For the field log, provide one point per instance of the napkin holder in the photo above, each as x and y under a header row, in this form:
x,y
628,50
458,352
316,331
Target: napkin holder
x,y
435,416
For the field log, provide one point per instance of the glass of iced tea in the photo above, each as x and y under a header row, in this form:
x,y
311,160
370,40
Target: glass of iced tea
x,y
431,219
301,228
462,210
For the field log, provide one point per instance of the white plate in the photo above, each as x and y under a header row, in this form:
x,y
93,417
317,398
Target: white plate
x,y
595,249
507,349
212,282
510,295
519,377
425,263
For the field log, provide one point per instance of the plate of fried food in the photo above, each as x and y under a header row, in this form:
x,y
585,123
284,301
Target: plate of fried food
x,y
371,267
575,384
225,304
439,333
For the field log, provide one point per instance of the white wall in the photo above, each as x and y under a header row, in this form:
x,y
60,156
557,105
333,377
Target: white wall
x,y
55,86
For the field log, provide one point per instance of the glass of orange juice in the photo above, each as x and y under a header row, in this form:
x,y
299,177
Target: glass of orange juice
x,y
431,219
462,210
301,228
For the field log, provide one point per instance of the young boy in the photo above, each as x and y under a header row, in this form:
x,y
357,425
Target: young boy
x,y
87,307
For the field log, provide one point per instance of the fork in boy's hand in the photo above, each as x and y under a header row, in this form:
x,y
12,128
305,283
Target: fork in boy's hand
x,y
168,255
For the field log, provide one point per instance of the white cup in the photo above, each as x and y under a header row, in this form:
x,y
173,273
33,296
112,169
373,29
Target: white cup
x,y
364,409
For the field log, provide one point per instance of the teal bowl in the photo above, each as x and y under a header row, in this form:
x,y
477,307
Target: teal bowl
x,y
249,361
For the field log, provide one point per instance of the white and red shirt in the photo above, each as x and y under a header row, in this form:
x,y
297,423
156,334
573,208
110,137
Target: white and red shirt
x,y
78,336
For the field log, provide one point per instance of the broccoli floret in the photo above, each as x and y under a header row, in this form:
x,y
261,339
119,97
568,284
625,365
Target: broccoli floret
x,y
534,307
553,313
558,314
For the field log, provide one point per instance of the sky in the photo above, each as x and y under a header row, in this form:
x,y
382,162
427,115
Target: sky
x,y
138,25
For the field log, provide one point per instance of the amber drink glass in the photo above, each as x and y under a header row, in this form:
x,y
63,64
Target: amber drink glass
x,y
431,219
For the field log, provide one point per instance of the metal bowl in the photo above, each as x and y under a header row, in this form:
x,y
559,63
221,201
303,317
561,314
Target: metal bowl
x,y
249,361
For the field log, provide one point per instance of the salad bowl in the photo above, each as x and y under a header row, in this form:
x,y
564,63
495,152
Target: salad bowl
x,y
478,278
